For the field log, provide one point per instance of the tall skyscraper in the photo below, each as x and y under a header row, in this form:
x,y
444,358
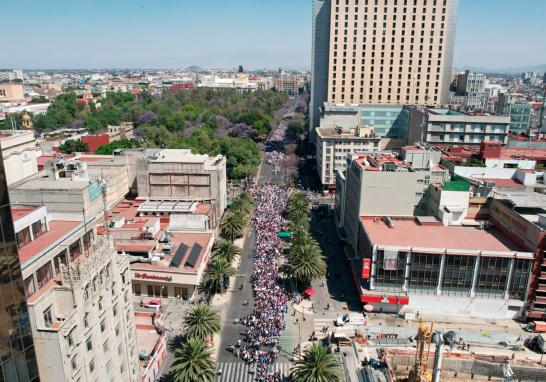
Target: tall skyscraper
x,y
382,52
18,361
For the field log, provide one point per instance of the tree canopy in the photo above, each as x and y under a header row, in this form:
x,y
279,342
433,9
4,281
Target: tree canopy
x,y
73,145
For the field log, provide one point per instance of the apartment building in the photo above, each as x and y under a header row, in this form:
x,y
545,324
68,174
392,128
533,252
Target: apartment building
x,y
123,131
335,144
448,126
17,352
382,52
79,298
470,93
11,92
289,83
181,175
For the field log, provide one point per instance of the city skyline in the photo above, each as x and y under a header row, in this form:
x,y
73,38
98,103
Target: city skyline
x,y
189,35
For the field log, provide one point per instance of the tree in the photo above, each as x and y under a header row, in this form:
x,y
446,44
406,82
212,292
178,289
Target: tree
x,y
225,249
216,276
109,148
306,263
232,225
193,362
70,146
317,364
201,322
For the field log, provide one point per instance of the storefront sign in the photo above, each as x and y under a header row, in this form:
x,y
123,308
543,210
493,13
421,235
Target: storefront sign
x,y
366,265
147,276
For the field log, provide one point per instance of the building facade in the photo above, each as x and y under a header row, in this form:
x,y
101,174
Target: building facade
x,y
447,126
20,153
18,357
319,60
181,175
388,52
520,117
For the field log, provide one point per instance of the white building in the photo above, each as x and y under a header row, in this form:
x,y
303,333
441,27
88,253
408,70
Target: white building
x,y
79,298
20,153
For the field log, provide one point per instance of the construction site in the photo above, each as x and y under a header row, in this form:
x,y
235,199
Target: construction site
x,y
433,354
419,351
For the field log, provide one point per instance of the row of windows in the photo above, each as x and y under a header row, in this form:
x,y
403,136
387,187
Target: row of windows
x,y
492,278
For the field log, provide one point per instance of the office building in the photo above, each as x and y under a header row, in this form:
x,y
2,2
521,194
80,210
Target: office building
x,y
520,117
381,184
18,357
382,52
452,127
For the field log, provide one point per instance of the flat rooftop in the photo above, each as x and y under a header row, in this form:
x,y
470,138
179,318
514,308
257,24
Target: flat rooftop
x,y
58,230
409,233
20,212
349,134
188,239
170,206
381,162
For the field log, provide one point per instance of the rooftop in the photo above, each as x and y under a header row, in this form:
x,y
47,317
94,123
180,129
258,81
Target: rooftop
x,y
381,162
437,237
58,230
180,240
524,199
330,132
20,212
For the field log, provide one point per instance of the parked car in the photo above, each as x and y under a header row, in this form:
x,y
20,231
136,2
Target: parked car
x,y
154,303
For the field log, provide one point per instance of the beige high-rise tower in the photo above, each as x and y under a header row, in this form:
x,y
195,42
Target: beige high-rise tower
x,y
384,52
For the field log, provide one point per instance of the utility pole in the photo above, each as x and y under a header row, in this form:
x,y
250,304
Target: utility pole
x,y
437,370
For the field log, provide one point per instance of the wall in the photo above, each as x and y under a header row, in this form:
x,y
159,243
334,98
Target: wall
x,y
484,172
388,193
95,141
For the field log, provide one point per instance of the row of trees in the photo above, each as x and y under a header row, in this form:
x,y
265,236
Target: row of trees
x,y
193,360
206,121
305,259
216,277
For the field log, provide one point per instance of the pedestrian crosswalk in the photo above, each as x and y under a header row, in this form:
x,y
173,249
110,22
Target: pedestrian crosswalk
x,y
320,323
238,371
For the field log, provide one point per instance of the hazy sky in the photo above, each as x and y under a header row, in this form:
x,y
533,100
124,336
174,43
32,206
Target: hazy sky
x,y
226,33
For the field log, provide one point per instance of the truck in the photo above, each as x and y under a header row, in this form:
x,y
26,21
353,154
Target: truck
x,y
536,327
351,318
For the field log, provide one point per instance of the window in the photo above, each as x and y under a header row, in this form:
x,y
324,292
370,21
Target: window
x,y
458,275
30,287
136,289
103,326
391,267
48,318
69,339
100,303
86,320
89,343
44,274
520,278
424,270
492,277
92,366
23,237
105,346
38,229
115,310
74,363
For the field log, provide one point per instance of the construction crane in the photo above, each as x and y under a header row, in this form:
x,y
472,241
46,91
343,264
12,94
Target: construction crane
x,y
419,372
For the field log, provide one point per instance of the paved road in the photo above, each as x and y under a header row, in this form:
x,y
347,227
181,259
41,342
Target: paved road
x,y
237,371
236,309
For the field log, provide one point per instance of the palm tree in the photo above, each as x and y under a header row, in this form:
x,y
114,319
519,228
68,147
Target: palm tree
x,y
216,276
225,249
201,322
193,362
306,263
297,201
232,225
318,364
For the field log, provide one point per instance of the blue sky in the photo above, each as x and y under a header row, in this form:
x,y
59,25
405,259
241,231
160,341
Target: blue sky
x,y
226,33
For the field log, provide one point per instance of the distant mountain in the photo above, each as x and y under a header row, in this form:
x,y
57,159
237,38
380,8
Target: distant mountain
x,y
523,69
195,68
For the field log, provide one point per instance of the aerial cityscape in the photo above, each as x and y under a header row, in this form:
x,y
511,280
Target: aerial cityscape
x,y
289,191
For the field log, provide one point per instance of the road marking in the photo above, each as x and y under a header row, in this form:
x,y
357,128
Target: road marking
x,y
237,371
